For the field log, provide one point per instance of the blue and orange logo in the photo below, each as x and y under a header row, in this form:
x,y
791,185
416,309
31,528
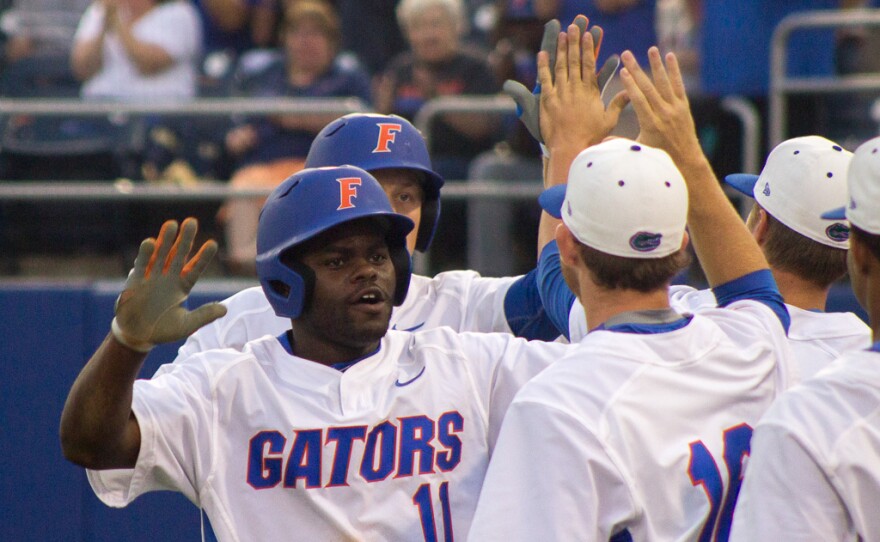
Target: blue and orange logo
x,y
837,232
644,241
387,134
348,190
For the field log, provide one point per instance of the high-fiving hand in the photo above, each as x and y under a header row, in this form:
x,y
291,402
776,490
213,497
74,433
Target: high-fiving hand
x,y
573,114
149,311
661,105
528,101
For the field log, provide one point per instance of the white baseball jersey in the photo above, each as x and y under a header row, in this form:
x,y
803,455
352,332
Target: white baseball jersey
x,y
462,300
636,434
814,473
275,447
816,338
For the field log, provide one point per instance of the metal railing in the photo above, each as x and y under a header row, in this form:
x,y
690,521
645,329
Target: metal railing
x,y
492,197
781,85
198,106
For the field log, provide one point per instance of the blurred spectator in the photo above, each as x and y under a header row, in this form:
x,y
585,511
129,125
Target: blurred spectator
x,y
135,49
438,65
268,150
40,27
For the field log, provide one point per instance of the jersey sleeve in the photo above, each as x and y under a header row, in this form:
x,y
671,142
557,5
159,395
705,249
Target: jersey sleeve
x,y
501,366
557,297
785,494
473,302
525,312
175,413
544,481
758,286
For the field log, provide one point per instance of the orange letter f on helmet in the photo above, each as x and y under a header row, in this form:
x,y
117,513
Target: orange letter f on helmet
x,y
348,187
387,133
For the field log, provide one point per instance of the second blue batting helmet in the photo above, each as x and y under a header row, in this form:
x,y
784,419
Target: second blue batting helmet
x,y
371,141
309,203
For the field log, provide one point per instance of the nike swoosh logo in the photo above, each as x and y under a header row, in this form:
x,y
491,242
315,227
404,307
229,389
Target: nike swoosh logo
x,y
415,327
400,384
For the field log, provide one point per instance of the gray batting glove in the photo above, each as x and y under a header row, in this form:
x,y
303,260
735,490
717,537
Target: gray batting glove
x,y
528,106
149,311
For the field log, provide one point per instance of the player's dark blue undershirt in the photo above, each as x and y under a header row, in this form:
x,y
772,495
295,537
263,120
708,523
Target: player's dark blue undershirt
x,y
558,298
285,341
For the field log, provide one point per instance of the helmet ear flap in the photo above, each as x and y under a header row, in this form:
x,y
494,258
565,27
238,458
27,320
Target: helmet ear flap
x,y
428,223
402,261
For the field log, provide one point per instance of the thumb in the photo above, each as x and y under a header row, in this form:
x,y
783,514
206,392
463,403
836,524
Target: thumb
x,y
202,316
617,104
606,73
527,106
521,95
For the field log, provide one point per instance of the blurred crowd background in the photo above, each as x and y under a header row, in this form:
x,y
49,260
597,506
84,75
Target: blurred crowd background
x,y
394,56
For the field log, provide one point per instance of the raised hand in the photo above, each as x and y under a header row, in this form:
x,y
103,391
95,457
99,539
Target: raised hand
x,y
661,105
528,101
573,114
149,311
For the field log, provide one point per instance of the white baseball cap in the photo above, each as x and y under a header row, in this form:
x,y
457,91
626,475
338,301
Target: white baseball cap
x,y
622,198
863,182
803,177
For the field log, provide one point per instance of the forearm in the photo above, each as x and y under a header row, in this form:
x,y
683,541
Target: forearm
x,y
555,173
98,429
148,58
715,228
86,58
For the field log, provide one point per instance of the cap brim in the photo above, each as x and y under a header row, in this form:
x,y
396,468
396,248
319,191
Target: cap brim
x,y
743,182
835,214
551,200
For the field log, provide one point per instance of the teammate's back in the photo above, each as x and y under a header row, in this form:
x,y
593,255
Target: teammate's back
x,y
663,422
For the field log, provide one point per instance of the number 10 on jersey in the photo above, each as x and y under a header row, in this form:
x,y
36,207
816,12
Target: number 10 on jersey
x,y
703,470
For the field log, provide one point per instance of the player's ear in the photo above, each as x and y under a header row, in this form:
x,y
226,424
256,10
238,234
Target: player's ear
x,y
760,223
567,244
685,239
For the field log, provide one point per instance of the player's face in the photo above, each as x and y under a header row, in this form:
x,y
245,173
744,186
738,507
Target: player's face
x,y
404,191
353,296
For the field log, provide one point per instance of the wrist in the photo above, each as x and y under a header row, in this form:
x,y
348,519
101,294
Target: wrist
x,y
127,340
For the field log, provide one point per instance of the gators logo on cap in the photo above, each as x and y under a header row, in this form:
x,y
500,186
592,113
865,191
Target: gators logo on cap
x,y
837,232
645,241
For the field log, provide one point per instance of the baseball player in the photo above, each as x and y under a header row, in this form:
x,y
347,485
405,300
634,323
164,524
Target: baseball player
x,y
391,149
644,425
806,254
337,428
814,474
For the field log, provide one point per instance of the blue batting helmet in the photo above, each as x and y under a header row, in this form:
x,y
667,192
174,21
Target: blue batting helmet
x,y
371,141
309,203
